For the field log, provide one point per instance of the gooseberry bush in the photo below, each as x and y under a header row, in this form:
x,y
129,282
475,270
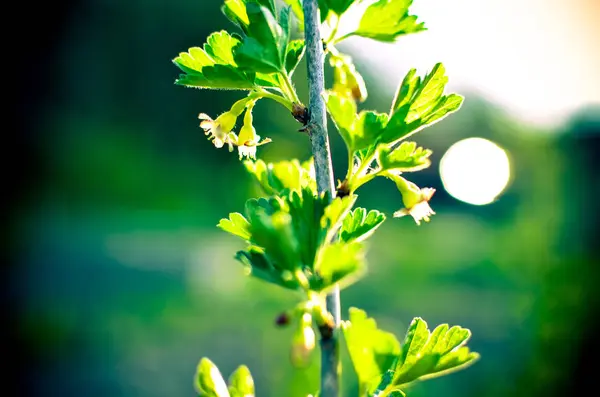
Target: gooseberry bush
x,y
305,234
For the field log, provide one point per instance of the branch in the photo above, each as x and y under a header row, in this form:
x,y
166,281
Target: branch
x,y
317,130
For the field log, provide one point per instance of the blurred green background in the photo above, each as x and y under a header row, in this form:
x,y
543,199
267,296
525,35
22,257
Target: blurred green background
x,y
121,281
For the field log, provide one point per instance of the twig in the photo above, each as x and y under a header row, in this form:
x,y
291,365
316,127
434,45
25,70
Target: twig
x,y
317,130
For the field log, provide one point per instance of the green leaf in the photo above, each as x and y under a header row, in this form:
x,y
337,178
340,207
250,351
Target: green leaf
x,y
405,158
209,381
296,6
220,45
339,6
358,131
214,66
336,214
258,265
236,225
275,234
283,176
235,11
386,20
359,225
428,354
346,79
343,113
306,210
263,49
339,263
419,104
241,383
372,350
217,77
295,52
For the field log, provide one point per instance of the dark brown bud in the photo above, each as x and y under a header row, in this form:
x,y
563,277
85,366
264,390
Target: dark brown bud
x,y
300,113
282,320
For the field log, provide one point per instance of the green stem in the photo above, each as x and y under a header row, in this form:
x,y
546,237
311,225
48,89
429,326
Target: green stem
x,y
342,38
289,87
262,93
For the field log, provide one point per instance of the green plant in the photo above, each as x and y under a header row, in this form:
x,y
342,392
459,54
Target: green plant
x,y
305,234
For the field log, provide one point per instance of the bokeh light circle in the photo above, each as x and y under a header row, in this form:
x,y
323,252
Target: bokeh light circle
x,y
475,170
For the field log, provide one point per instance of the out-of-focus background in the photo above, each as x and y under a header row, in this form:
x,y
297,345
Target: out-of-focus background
x,y
119,280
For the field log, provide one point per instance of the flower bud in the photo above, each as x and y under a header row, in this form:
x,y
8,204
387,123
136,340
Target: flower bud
x,y
303,342
209,380
416,200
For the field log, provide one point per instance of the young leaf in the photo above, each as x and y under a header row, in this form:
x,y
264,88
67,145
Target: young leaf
x,y
241,383
236,225
358,131
214,66
338,263
428,354
346,79
406,157
235,11
372,350
359,225
209,381
294,54
386,20
283,176
296,6
419,104
258,265
263,49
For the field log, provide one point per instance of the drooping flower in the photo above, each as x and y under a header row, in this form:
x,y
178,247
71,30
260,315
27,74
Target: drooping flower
x,y
415,199
248,140
219,130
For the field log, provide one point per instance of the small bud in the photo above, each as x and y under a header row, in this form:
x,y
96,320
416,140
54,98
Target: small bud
x,y
303,342
209,380
283,319
300,113
241,383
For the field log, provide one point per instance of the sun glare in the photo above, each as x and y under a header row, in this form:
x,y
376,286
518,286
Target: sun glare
x,y
475,170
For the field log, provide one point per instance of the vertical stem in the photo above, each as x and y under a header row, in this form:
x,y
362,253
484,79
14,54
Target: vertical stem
x,y
317,129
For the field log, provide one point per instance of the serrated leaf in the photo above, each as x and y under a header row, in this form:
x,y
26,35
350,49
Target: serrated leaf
x,y
220,45
405,158
372,350
281,177
419,104
395,393
428,354
338,263
236,225
213,67
360,224
258,265
295,52
386,20
358,131
209,381
241,383
263,50
335,214
217,77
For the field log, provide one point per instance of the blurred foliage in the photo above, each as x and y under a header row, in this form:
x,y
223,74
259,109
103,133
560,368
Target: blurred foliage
x,y
121,274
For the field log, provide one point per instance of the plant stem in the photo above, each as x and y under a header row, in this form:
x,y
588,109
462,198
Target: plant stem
x,y
317,129
278,98
290,88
